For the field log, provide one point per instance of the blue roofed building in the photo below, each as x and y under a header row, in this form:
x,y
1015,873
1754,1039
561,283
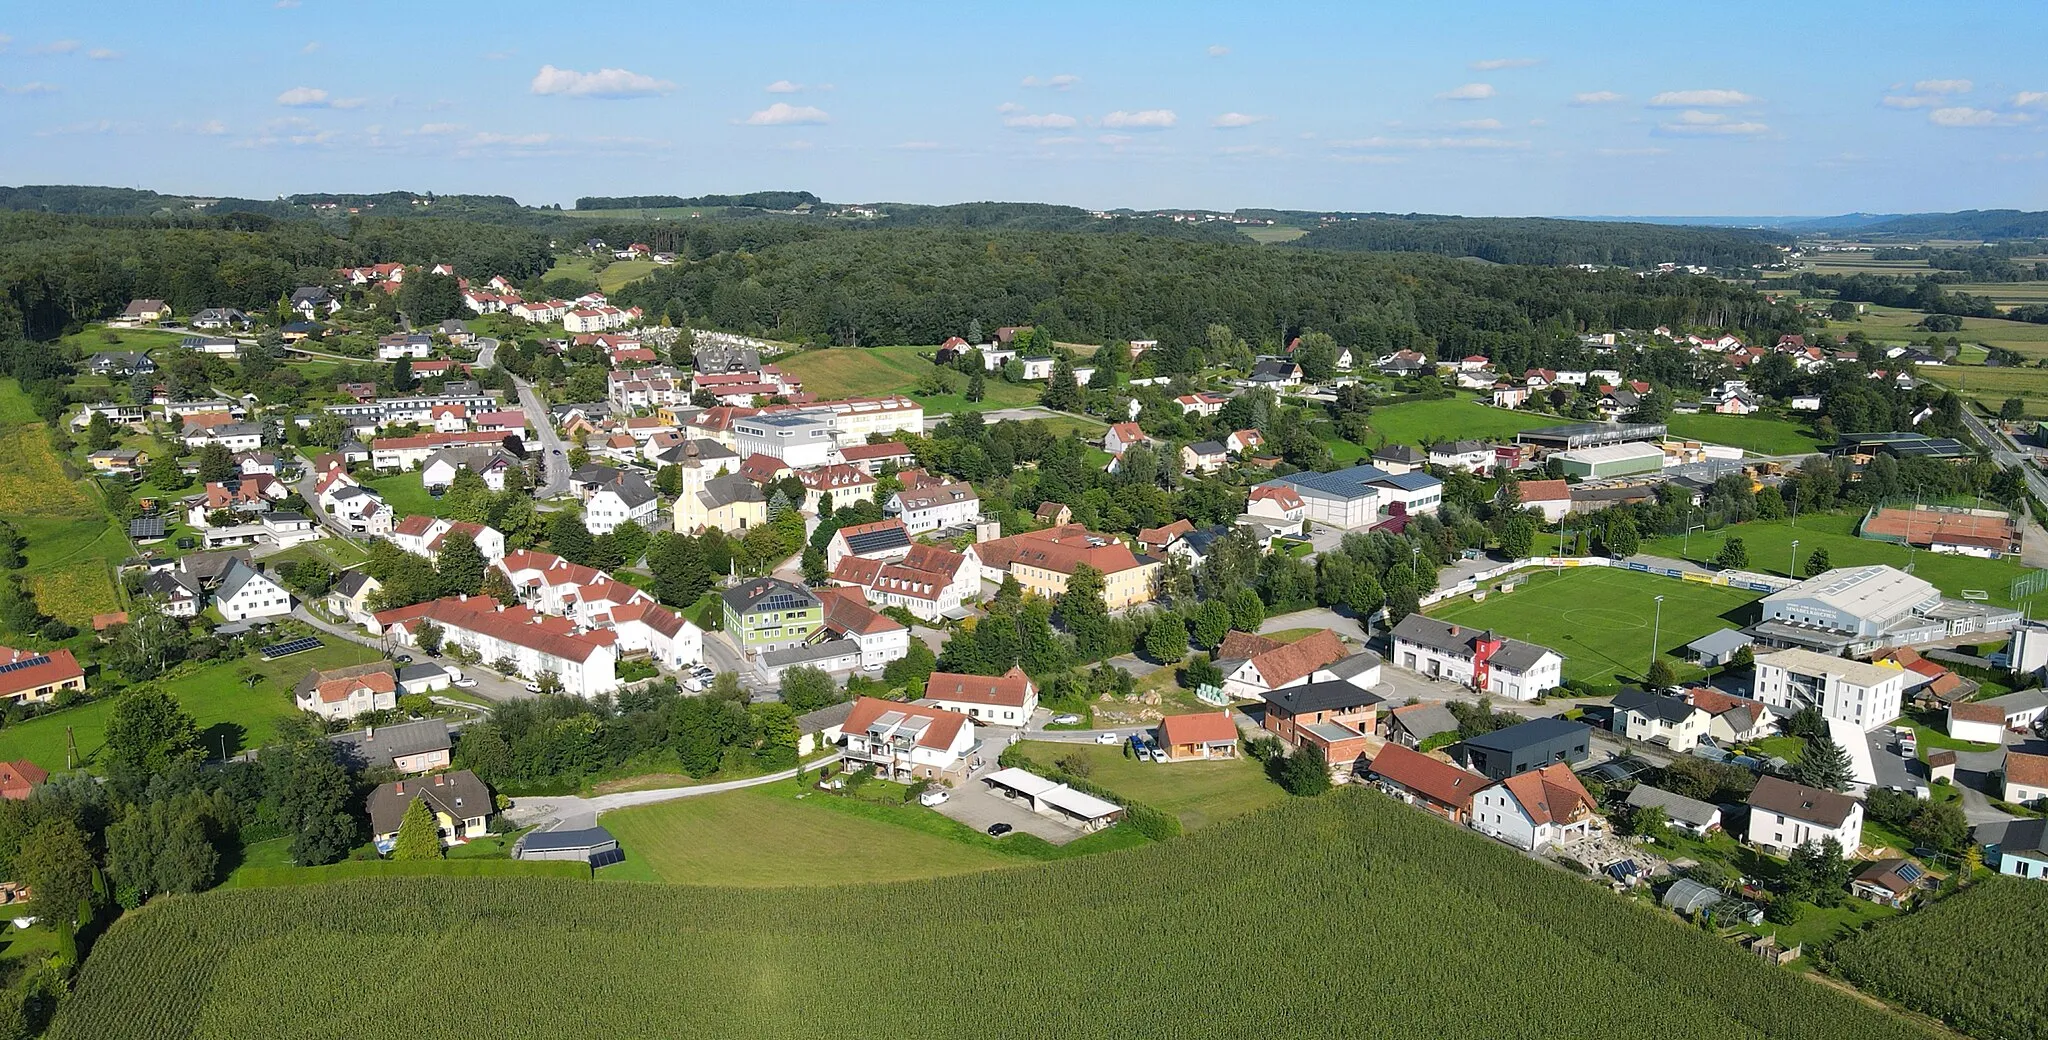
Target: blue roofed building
x,y
1363,496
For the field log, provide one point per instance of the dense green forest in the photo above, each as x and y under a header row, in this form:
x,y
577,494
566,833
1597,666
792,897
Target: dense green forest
x,y
920,286
1988,224
58,271
1544,240
750,200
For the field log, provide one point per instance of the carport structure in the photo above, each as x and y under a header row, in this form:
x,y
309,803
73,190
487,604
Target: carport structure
x,y
1053,799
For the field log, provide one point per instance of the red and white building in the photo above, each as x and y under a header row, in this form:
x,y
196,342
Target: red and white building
x,y
997,700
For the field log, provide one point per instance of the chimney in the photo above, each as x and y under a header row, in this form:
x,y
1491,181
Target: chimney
x,y
397,787
1454,630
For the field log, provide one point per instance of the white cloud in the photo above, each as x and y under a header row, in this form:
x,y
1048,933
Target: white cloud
x,y
1047,121
1597,97
1146,119
1480,124
1694,123
33,88
1694,117
438,129
1233,120
1468,92
1114,140
783,86
604,83
1943,86
1696,98
94,127
918,146
1009,106
1963,115
102,54
303,97
1620,153
1217,50
1901,101
1492,64
211,128
782,113
2030,99
1063,81
508,140
1419,144
310,47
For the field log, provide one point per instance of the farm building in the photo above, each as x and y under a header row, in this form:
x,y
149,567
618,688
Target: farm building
x,y
1611,460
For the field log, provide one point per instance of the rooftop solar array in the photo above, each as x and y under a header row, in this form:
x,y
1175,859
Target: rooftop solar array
x,y
291,646
26,662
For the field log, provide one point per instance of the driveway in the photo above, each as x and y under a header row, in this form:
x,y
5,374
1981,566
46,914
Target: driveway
x,y
486,352
975,805
542,808
553,463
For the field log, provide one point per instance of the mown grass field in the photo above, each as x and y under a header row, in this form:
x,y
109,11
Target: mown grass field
x,y
230,711
1200,793
869,371
617,275
1770,550
1332,895
767,837
1752,433
405,494
73,546
1970,960
1991,386
96,338
1453,418
2005,294
1265,235
1897,324
1602,619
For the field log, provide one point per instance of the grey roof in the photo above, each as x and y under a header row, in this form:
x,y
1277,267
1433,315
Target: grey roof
x,y
1458,447
729,488
594,473
210,567
238,575
1199,541
1330,695
1527,734
1424,720
1514,654
1402,453
459,794
632,489
1357,481
384,745
771,593
879,538
2025,836
422,672
1412,481
1778,795
1208,448
824,718
566,840
453,325
2024,700
1676,806
1362,661
810,653
1655,706
309,294
1719,642
1270,369
350,583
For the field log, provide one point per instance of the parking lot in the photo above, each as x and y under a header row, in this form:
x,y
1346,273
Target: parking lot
x,y
973,804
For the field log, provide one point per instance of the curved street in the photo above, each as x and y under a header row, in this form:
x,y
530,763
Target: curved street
x,y
579,810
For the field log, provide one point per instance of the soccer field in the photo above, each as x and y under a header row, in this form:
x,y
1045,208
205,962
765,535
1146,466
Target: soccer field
x,y
1602,620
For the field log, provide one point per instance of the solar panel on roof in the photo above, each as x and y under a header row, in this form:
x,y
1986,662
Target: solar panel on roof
x,y
1909,873
26,662
291,646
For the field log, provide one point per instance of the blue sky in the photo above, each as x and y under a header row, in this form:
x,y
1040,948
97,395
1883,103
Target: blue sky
x,y
1476,108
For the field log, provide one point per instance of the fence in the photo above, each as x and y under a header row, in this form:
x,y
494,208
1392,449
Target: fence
x,y
1732,579
2029,584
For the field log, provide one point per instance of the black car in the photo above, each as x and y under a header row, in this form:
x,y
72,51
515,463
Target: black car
x,y
402,658
997,830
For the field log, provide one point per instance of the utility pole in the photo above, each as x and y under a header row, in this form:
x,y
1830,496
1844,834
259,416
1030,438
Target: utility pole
x,y
1656,626
1794,572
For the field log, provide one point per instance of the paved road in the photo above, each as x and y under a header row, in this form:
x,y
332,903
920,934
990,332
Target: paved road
x,y
553,458
543,808
2006,453
1316,617
332,523
1018,414
486,352
488,685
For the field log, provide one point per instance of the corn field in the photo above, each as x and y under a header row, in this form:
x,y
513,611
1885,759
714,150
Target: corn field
x,y
1972,960
1345,916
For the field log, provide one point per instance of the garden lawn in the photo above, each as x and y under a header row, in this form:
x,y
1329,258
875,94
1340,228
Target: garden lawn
x,y
1770,550
1752,433
405,494
1200,793
1601,619
1453,418
1824,924
870,371
229,710
767,837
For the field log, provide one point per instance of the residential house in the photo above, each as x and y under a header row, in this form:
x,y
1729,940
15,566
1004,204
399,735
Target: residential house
x,y
1536,809
826,487
1552,498
1254,666
1335,717
492,464
146,310
2026,777
1244,443
350,595
221,318
931,508
1199,737
1155,540
20,778
1282,504
1524,746
408,748
2022,851
1476,658
462,806
313,302
1658,719
1413,725
1690,815
1421,780
929,581
424,535
1043,562
879,638
1732,719
1468,455
907,742
1004,700
1890,882
622,499
531,643
1784,815
246,593
344,693
1275,372
1053,514
1122,436
38,676
881,540
1397,459
1203,403
1851,691
764,614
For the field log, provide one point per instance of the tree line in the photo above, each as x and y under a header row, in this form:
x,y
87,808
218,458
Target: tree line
x,y
1545,240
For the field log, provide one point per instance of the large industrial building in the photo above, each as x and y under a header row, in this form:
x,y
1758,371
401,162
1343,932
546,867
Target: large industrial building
x,y
1856,609
1362,495
1611,460
1572,436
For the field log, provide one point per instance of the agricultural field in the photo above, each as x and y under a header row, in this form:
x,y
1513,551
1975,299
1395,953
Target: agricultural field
x,y
1752,433
1601,619
1167,928
1453,418
869,371
1970,960
73,546
1199,793
231,712
1268,235
1899,325
2005,294
617,275
767,837
1991,386
663,213
1770,550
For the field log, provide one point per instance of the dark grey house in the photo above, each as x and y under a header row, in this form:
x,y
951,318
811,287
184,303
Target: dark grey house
x,y
1519,748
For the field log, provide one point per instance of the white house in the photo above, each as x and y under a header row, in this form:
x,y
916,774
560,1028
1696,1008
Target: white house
x,y
885,540
1254,666
1468,455
929,581
907,741
2026,777
1867,695
1535,810
799,440
1784,815
423,535
1122,436
344,693
1201,404
533,644
673,641
627,497
1276,503
930,508
247,593
1657,719
1001,700
1036,368
1479,659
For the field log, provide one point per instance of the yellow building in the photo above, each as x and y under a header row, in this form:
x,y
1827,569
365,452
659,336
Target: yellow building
x,y
1044,561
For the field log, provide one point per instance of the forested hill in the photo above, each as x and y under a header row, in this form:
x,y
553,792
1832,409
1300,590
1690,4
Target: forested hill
x,y
1545,240
922,285
787,200
1990,225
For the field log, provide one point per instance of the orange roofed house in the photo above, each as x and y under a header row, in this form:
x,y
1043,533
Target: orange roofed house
x,y
1199,737
1424,780
344,693
1536,809
1254,665
19,777
1003,700
908,741
1044,561
36,677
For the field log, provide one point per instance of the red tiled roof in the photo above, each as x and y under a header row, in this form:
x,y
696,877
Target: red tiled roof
x,y
1432,778
334,691
945,725
1059,549
1162,536
17,777
865,452
1209,727
1282,495
1551,794
846,610
1975,711
1545,491
1285,663
1012,689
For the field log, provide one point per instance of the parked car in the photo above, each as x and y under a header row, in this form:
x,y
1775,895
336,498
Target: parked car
x,y
997,830
463,683
530,686
401,658
1107,738
933,797
1065,719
